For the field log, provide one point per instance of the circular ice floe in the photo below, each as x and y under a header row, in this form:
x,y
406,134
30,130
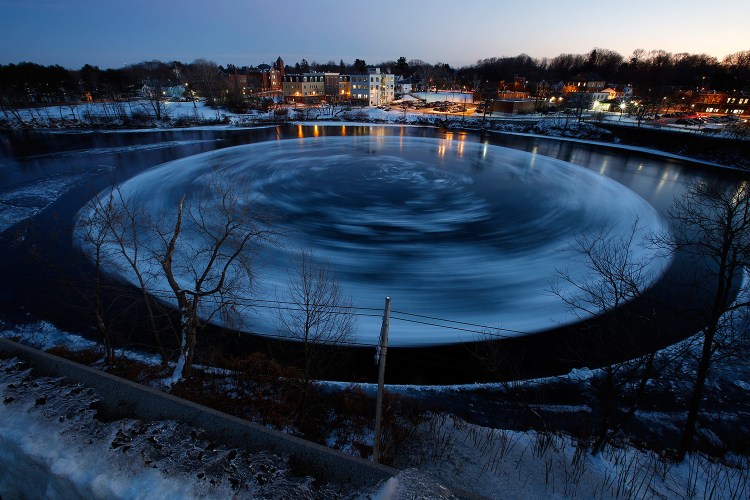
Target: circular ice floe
x,y
458,230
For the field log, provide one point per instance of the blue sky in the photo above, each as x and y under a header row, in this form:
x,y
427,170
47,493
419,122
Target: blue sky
x,y
115,33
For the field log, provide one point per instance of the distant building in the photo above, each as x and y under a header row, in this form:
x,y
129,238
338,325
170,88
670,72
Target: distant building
x,y
403,86
374,88
292,88
515,106
316,87
152,88
585,82
331,87
247,81
512,94
519,84
725,103
584,100
276,75
174,92
308,87
612,93
345,87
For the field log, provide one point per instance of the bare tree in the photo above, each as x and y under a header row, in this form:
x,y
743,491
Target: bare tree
x,y
615,274
205,78
712,223
121,221
94,233
12,107
315,313
204,256
152,93
578,103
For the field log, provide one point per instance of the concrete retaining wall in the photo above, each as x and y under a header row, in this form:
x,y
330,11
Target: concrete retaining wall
x,y
127,398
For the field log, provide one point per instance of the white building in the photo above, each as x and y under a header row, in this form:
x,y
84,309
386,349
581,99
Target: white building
x,y
374,88
404,85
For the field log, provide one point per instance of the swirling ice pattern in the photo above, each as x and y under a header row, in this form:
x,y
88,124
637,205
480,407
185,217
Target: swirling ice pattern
x,y
464,231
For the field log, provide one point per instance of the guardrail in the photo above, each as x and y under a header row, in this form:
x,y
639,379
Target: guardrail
x,y
129,399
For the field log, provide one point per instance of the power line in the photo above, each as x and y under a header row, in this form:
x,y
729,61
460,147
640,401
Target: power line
x,y
481,332
460,322
281,305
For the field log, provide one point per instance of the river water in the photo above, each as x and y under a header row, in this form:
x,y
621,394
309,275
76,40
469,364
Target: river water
x,y
465,231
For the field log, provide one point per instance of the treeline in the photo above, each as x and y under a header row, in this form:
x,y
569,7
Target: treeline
x,y
649,72
30,83
656,68
644,70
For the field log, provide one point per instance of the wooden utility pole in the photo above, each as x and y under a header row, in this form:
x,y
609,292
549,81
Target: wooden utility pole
x,y
382,349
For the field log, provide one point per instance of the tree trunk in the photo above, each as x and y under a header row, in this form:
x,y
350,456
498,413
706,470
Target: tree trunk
x,y
192,336
697,397
607,407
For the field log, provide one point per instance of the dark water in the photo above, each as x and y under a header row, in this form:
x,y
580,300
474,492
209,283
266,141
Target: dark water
x,y
446,228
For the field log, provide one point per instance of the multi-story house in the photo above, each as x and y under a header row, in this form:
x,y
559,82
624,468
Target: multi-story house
x,y
374,88
331,85
404,85
344,87
585,82
725,103
249,80
308,87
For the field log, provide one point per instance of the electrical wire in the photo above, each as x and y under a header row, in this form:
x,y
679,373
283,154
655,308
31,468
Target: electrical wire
x,y
291,306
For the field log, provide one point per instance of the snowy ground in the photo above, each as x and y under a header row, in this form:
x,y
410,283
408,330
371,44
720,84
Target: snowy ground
x,y
483,459
441,96
192,114
52,445
499,463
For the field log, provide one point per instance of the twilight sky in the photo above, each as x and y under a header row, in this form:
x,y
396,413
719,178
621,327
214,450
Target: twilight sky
x,y
111,33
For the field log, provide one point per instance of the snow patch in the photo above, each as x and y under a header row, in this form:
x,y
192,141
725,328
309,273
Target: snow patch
x,y
52,446
581,374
